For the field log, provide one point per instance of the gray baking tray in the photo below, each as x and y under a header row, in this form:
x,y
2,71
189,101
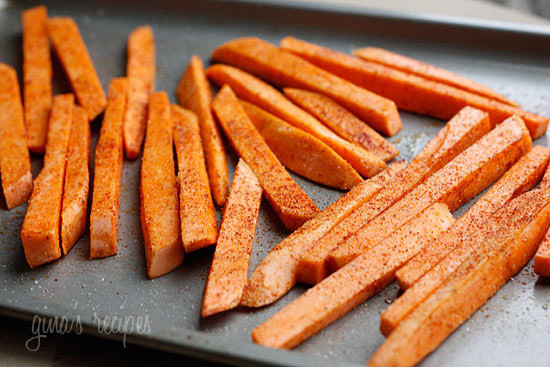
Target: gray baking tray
x,y
513,328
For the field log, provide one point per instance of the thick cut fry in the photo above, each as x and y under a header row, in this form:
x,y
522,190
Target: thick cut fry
x,y
194,93
37,76
199,227
351,285
286,70
343,122
542,257
74,208
15,161
410,92
227,276
459,181
276,274
109,156
509,241
289,201
140,71
458,134
301,152
255,91
523,176
40,231
413,66
71,50
160,222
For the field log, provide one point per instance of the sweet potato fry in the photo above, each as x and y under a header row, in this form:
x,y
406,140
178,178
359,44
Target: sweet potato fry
x,y
71,50
525,174
199,227
289,201
15,161
351,285
227,276
542,257
276,274
456,183
458,134
255,91
301,152
140,72
37,76
343,122
76,187
160,222
40,231
509,241
410,92
286,70
194,93
417,67
109,156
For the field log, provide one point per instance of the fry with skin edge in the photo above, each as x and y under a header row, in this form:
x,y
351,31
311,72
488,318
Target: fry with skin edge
x,y
351,285
40,230
410,92
140,73
160,222
287,199
301,152
261,94
71,50
15,161
109,157
343,122
276,274
413,66
229,269
37,76
194,94
199,227
542,257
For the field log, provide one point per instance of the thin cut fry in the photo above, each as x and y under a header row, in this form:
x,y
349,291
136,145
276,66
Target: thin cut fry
x,y
227,276
37,76
542,257
15,162
194,93
160,221
40,231
199,227
109,155
140,71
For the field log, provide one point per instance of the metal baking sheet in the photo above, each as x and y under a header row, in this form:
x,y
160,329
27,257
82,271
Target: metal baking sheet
x,y
511,329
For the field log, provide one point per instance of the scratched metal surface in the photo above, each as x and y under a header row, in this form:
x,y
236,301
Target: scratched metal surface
x,y
511,329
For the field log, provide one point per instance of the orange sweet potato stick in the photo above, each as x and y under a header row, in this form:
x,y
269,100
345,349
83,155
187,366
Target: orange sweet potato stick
x,y
194,93
37,76
15,162
227,276
410,92
256,91
40,231
289,201
286,70
343,122
199,227
160,222
417,67
71,50
276,274
74,208
542,257
351,285
140,71
301,152
109,156
459,181
458,134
